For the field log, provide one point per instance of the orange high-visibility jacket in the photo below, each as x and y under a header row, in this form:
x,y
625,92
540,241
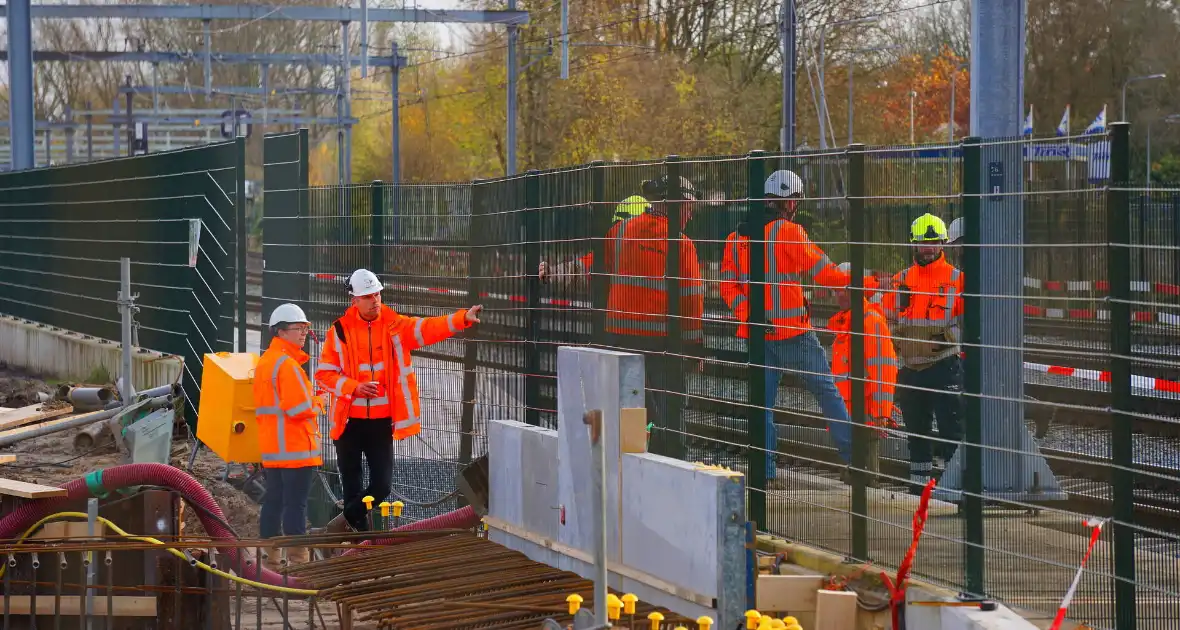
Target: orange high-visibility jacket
x,y
285,409
791,259
880,362
356,351
636,254
928,297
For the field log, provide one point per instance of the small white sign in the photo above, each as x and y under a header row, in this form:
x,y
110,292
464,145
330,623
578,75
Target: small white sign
x,y
194,241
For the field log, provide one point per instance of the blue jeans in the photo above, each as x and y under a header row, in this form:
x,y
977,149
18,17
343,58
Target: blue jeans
x,y
806,357
285,501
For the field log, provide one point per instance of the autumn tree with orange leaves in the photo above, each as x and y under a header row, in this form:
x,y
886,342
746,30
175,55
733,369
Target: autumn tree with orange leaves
x,y
931,80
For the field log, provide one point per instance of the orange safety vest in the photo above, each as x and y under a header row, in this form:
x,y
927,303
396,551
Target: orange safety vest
x,y
927,297
358,351
791,259
285,409
880,362
636,258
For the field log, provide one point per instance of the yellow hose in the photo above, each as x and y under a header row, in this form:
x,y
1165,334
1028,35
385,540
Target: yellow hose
x,y
175,552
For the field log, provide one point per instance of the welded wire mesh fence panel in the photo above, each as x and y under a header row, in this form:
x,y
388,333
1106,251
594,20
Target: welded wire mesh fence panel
x,y
64,230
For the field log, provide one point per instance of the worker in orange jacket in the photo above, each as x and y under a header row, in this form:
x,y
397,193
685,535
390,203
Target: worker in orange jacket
x,y
791,344
366,365
286,413
880,362
925,309
637,319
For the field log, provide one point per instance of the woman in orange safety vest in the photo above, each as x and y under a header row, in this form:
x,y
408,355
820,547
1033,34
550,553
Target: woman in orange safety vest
x,y
288,433
366,365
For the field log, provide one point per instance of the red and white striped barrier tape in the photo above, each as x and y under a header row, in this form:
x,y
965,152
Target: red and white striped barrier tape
x,y
1146,317
1083,286
1095,526
1138,382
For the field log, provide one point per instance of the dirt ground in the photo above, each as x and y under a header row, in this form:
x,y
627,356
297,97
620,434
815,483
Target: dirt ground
x,y
51,460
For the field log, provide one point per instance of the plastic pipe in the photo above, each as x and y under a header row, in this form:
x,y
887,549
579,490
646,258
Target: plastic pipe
x,y
89,398
53,427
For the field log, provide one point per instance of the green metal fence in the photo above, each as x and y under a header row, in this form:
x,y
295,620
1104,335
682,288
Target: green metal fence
x,y
63,230
1068,391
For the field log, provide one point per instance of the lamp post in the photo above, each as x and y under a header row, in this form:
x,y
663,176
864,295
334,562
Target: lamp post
x,y
823,99
954,83
1169,119
1146,77
851,59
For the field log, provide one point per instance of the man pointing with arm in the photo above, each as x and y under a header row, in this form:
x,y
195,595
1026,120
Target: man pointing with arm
x,y
365,364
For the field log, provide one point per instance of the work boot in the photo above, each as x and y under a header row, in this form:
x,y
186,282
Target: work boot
x,y
271,558
298,555
338,525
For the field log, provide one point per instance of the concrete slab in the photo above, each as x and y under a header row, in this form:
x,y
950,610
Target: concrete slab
x,y
522,470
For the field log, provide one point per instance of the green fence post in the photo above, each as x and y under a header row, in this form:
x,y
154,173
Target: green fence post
x,y
972,502
600,220
377,227
475,270
1118,261
860,433
242,237
532,259
756,433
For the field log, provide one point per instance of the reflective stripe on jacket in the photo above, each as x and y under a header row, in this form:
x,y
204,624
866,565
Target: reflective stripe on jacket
x,y
791,260
379,351
636,258
880,362
285,409
927,305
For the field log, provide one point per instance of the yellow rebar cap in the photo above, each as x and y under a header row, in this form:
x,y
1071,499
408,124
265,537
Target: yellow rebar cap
x,y
575,602
752,618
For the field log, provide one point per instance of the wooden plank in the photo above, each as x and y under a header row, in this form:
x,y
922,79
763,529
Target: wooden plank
x,y
30,414
58,530
7,458
71,605
835,610
787,593
14,488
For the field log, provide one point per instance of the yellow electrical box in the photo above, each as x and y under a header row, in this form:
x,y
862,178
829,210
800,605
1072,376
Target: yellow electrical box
x,y
225,419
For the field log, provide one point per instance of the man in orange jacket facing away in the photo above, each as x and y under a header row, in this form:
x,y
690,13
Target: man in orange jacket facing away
x,y
880,364
366,365
288,431
792,260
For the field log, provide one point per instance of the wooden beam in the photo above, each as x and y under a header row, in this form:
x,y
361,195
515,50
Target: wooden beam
x,y
71,605
32,413
7,458
14,488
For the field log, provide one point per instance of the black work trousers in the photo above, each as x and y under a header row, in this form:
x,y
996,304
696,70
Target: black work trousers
x,y
921,408
372,439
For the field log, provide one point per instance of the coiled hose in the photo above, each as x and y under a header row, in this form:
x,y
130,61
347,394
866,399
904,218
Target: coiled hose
x,y
101,483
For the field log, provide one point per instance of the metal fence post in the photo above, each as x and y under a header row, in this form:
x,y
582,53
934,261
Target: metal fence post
x,y
475,271
756,433
600,219
1118,261
972,496
532,259
861,434
673,439
242,238
377,227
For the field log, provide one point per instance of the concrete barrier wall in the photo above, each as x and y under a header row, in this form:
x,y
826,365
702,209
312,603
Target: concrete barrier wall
x,y
59,353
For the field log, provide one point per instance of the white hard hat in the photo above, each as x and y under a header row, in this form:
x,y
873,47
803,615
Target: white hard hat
x,y
289,314
955,231
364,282
784,184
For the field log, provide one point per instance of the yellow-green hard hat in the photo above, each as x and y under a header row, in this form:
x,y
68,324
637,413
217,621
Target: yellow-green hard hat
x,y
632,206
927,228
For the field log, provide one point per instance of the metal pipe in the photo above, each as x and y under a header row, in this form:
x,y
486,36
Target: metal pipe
x,y
593,419
513,69
208,58
50,427
565,39
20,74
126,308
787,33
88,398
395,124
